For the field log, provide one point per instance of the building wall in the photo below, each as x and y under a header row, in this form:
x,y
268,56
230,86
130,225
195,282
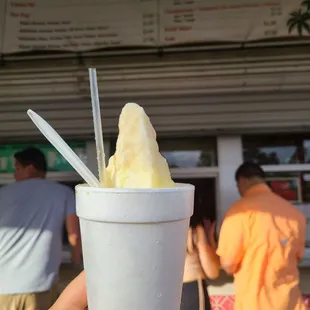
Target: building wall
x,y
229,153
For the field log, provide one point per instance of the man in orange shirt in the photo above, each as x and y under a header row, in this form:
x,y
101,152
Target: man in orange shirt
x,y
261,242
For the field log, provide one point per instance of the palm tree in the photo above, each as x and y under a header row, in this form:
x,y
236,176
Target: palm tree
x,y
299,20
306,4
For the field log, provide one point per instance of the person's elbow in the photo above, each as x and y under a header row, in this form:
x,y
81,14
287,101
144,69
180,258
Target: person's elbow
x,y
74,238
212,267
228,267
213,274
73,230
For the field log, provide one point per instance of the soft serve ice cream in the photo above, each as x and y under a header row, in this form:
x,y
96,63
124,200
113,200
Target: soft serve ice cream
x,y
137,162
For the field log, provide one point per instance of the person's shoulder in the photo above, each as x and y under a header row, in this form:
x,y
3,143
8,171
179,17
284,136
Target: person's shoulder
x,y
15,186
290,208
239,205
300,217
284,202
8,187
58,186
52,187
19,188
240,210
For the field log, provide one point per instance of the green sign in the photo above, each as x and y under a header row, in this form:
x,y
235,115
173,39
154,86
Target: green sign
x,y
55,161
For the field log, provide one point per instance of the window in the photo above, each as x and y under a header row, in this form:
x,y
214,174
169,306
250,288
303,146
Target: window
x,y
306,150
277,149
288,185
189,153
271,150
186,152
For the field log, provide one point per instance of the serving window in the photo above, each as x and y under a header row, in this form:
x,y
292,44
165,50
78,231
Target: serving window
x,y
187,153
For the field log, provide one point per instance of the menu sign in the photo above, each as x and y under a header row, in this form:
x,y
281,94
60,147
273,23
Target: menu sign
x,y
2,21
84,25
79,25
192,21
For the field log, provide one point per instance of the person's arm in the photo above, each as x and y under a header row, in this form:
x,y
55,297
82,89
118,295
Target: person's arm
x,y
232,238
73,230
74,296
207,253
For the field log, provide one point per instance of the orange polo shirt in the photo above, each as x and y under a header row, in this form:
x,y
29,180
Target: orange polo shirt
x,y
265,236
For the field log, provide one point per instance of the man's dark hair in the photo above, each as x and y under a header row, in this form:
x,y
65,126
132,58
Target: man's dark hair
x,y
32,156
249,170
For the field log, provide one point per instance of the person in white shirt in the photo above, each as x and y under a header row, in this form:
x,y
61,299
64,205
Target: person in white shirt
x,y
33,211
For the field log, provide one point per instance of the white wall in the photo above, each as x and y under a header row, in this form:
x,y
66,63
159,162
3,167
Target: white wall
x,y
229,150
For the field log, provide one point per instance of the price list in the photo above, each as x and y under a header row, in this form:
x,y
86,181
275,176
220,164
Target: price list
x,y
197,21
83,25
80,25
2,21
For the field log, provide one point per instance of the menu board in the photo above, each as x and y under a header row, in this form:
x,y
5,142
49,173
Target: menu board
x,y
85,25
192,21
79,25
2,21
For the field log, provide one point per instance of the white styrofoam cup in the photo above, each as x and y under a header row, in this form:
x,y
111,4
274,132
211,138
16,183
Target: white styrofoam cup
x,y
134,245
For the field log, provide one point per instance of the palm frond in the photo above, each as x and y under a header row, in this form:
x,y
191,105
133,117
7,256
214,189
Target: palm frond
x,y
306,4
307,16
300,29
307,27
291,27
299,20
295,14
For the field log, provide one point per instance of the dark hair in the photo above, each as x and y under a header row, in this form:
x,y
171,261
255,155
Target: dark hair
x,y
196,220
32,156
249,170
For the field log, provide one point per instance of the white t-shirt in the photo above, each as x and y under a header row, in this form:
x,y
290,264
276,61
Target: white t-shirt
x,y
32,215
